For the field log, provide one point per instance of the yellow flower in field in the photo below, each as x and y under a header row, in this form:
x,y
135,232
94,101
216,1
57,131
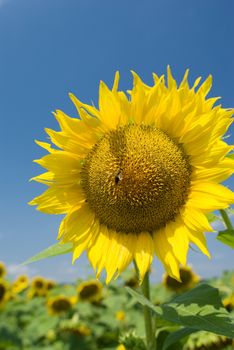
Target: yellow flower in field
x,y
228,303
20,284
82,331
4,292
121,347
136,176
206,340
2,269
32,293
38,287
90,291
132,282
50,284
38,283
60,304
188,280
120,315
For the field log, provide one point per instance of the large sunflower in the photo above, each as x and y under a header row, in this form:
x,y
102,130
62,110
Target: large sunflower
x,y
137,175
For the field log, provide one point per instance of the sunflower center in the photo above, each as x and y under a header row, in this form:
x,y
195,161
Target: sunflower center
x,y
88,291
186,278
61,305
136,179
2,291
39,284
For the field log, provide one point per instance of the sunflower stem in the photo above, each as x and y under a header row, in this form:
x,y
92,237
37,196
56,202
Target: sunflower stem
x,y
226,219
150,334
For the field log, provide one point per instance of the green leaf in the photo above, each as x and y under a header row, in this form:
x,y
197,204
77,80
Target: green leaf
x,y
199,309
231,155
230,211
213,218
226,237
9,336
174,337
53,250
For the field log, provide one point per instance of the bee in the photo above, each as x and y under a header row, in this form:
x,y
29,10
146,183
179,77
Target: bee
x,y
119,176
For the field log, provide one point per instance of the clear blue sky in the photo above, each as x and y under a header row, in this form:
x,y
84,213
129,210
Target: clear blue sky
x,y
51,47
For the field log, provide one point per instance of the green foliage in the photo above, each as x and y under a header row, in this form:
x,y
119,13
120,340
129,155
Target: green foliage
x,y
176,336
213,218
200,309
132,341
26,324
226,237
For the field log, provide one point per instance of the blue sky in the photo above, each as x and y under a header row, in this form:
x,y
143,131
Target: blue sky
x,y
51,47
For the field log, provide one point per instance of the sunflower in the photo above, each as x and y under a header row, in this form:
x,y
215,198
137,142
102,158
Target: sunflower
x,y
33,293
228,303
60,304
38,287
205,340
4,292
137,176
188,280
120,315
20,284
50,284
2,269
78,331
132,282
90,291
121,347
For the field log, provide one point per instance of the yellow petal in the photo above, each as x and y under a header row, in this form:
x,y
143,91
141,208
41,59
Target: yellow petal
x,y
213,174
198,238
138,99
77,223
80,247
194,219
45,178
209,196
98,248
205,87
116,82
165,254
78,104
83,242
170,80
110,113
127,243
57,200
59,162
176,234
45,145
143,253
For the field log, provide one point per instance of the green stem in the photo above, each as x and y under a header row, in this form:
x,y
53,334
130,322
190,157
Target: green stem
x,y
226,219
150,335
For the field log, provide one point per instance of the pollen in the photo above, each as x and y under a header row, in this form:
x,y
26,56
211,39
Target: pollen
x,y
136,178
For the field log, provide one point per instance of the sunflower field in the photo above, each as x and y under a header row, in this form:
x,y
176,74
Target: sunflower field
x,y
41,314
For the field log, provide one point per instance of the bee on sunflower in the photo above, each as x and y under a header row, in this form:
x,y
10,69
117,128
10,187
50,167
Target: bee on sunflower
x,y
137,176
